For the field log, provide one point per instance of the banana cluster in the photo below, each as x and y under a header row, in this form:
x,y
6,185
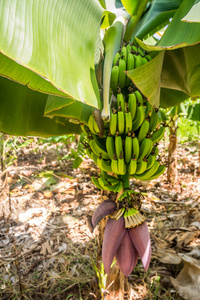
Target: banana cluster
x,y
128,58
129,144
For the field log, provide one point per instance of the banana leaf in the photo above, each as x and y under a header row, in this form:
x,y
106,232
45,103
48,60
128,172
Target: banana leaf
x,y
22,113
51,40
194,112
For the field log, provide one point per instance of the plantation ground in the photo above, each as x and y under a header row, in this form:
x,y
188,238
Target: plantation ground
x,y
47,250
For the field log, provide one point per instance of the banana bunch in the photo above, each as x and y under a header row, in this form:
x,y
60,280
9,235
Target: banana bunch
x,y
128,58
129,143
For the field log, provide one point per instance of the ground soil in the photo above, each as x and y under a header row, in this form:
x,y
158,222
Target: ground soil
x,y
46,248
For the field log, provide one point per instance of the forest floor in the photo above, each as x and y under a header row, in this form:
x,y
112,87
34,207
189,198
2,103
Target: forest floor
x,y
48,252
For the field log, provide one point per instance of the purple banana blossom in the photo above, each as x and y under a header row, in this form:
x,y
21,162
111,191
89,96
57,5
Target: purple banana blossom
x,y
123,243
126,245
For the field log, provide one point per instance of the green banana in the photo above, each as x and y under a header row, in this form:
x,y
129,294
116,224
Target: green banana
x,y
118,145
147,174
128,148
124,53
110,146
114,165
88,152
138,61
122,75
139,97
132,166
151,161
148,57
158,135
141,167
128,47
148,110
141,53
116,58
104,183
128,122
96,182
143,131
145,149
120,116
139,118
136,147
98,148
104,165
155,151
94,157
130,64
159,172
132,104
113,123
118,187
145,60
154,121
134,49
114,78
121,164
90,124
121,102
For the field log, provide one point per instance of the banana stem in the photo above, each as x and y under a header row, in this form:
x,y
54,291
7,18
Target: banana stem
x,y
125,180
133,21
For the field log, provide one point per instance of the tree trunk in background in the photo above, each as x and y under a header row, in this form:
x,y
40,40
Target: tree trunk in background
x,y
172,173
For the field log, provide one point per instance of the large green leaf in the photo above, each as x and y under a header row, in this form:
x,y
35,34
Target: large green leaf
x,y
156,17
171,77
194,13
186,33
22,112
61,107
194,112
51,38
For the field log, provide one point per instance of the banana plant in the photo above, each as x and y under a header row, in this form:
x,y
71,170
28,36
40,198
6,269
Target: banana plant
x,y
57,76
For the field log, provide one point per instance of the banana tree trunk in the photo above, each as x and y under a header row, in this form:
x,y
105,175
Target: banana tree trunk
x,y
172,173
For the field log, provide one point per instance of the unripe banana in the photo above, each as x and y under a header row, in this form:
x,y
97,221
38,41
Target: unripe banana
x,y
148,57
128,47
128,121
132,105
141,167
88,152
158,135
113,123
118,145
147,174
130,65
128,148
139,97
104,165
122,75
96,182
94,157
145,61
120,116
159,172
145,149
151,161
132,166
136,147
110,146
114,78
139,118
138,61
143,131
148,110
124,53
114,165
98,148
154,121
104,183
121,164
116,58
121,102
141,53
134,49
90,124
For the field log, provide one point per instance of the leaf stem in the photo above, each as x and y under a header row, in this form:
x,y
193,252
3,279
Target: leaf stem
x,y
133,21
